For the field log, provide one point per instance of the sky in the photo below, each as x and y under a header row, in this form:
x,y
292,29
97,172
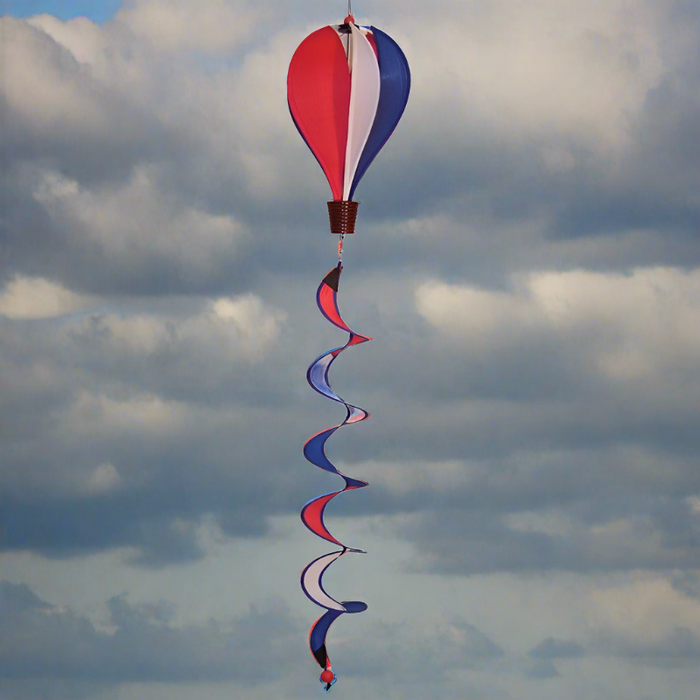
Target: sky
x,y
527,262
97,10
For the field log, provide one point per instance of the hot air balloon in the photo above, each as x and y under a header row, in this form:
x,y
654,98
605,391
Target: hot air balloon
x,y
347,88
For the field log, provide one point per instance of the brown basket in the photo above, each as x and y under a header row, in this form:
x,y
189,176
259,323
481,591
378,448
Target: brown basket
x,y
342,216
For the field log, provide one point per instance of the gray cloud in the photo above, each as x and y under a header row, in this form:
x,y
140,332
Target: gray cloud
x,y
552,648
542,669
139,644
687,582
678,648
474,541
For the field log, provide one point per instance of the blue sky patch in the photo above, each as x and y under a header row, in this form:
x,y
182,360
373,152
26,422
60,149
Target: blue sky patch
x,y
96,10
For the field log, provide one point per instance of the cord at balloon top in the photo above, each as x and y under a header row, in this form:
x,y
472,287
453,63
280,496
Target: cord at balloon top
x,y
314,450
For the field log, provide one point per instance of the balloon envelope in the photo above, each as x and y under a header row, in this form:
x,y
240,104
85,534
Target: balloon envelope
x,y
347,88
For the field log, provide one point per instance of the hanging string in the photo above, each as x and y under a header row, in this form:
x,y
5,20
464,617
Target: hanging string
x,y
340,248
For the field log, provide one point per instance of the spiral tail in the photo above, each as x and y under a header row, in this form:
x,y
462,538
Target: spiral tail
x,y
314,450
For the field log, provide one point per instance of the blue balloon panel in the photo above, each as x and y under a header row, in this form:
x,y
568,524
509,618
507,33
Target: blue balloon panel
x,y
395,78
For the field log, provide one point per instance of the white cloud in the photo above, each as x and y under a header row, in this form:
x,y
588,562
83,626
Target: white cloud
x,y
241,328
216,25
644,610
35,297
642,324
45,84
250,320
103,479
552,66
138,415
83,38
138,219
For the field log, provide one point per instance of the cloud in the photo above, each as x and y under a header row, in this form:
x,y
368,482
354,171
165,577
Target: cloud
x,y
688,583
87,383
634,326
552,648
139,643
526,261
474,541
179,243
413,659
528,70
37,298
19,597
648,608
220,25
144,643
104,478
680,648
65,104
542,669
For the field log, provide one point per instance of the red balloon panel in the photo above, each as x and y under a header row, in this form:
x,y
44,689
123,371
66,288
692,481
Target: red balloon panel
x,y
318,89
